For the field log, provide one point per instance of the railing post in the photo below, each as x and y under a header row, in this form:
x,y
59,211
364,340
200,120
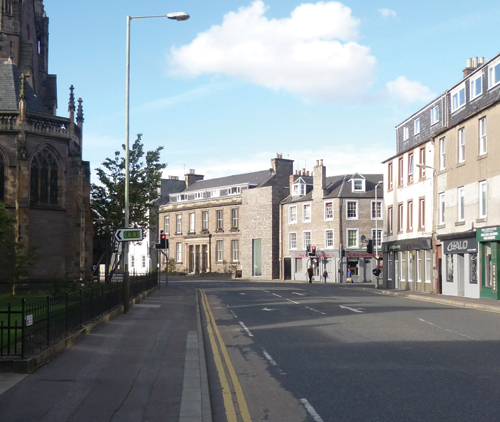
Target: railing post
x,y
8,329
48,319
23,333
81,306
66,312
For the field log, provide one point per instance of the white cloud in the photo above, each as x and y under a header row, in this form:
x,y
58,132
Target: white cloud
x,y
406,91
387,13
193,94
312,54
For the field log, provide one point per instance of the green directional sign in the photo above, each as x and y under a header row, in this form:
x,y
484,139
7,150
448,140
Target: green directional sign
x,y
127,235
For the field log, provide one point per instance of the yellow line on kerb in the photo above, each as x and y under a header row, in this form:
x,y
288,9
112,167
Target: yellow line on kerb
x,y
226,392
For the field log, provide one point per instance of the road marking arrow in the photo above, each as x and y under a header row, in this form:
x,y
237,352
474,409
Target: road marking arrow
x,y
351,309
266,309
300,294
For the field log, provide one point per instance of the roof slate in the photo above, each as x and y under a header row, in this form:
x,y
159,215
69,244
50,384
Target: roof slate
x,y
258,178
10,82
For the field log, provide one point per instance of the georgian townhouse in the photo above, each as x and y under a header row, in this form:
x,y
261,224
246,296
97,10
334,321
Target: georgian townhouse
x,y
339,215
451,145
228,223
468,176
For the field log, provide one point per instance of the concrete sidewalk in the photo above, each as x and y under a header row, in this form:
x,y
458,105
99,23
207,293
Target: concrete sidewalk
x,y
146,365
465,302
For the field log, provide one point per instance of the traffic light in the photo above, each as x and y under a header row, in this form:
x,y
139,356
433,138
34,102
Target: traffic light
x,y
313,251
163,241
369,247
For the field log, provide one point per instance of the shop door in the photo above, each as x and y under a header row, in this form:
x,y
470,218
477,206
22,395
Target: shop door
x,y
460,274
288,269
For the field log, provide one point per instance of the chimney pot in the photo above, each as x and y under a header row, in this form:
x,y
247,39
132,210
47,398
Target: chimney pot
x,y
469,62
321,162
481,60
317,163
474,62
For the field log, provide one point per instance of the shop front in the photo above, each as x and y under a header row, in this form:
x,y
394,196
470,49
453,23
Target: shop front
x,y
325,260
459,267
489,247
408,265
361,265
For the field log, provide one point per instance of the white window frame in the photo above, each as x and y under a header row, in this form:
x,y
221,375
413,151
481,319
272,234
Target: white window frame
x,y
457,96
292,240
220,251
306,239
421,213
358,185
178,223
419,265
299,189
306,215
401,213
416,126
482,136
441,208
475,82
403,268
292,214
483,199
166,224
377,239
428,267
329,239
326,216
461,204
374,210
442,153
406,133
235,250
347,210
435,114
494,74
178,252
461,144
220,219
204,220
191,222
411,166
234,218
356,246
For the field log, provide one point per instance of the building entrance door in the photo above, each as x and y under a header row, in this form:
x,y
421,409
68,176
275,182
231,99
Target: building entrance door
x,y
288,268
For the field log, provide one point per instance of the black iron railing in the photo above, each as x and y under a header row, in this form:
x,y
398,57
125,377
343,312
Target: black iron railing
x,y
34,326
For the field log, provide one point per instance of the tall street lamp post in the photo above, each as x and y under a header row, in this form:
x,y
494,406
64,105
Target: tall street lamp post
x,y
376,228
178,16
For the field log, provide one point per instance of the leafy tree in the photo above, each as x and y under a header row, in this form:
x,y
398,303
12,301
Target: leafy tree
x,y
108,197
14,260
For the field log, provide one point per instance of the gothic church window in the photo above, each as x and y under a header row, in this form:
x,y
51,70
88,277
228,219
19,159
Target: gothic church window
x,y
44,178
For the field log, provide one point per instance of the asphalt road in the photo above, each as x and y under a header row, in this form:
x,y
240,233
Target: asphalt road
x,y
318,352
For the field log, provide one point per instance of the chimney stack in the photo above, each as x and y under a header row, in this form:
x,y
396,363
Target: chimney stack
x,y
472,65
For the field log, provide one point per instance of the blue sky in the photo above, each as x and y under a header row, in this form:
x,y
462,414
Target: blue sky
x,y
240,81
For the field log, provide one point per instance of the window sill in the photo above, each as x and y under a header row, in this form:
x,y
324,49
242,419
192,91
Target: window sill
x,y
482,220
461,164
234,229
482,157
460,223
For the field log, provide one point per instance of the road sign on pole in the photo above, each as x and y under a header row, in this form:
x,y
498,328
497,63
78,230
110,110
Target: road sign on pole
x,y
127,235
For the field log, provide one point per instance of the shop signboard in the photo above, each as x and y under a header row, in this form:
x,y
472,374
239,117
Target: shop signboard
x,y
460,246
486,235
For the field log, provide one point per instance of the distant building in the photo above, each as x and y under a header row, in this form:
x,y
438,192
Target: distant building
x,y
339,215
43,180
227,224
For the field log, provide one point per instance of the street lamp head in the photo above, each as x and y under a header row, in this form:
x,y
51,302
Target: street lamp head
x,y
178,16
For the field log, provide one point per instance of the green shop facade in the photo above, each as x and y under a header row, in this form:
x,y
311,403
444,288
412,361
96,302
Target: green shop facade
x,y
489,247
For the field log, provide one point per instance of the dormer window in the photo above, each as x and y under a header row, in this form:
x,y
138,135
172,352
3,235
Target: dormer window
x,y
299,188
358,185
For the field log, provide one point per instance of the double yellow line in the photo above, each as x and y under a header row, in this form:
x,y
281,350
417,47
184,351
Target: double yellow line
x,y
219,348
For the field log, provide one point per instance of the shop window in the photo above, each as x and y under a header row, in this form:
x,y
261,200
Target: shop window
x,y
473,268
449,268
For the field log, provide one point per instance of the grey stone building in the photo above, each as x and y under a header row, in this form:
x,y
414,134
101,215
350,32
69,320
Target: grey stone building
x,y
44,182
227,224
340,216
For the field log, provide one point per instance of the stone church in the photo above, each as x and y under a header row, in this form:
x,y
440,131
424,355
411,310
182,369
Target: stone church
x,y
44,182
